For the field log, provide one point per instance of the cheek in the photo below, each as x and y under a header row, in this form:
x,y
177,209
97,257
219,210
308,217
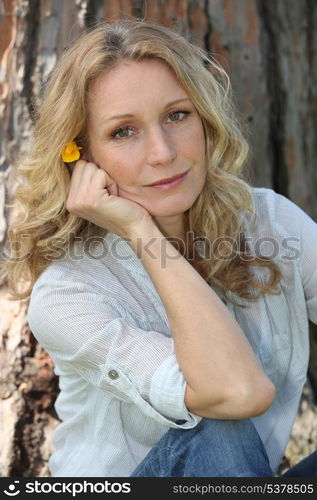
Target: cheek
x,y
117,166
120,173
193,142
195,151
199,141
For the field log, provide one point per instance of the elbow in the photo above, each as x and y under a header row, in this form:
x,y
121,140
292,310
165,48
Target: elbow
x,y
247,400
256,399
269,395
244,401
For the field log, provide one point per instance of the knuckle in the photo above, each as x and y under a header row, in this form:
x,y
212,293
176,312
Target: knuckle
x,y
100,171
104,177
80,163
91,165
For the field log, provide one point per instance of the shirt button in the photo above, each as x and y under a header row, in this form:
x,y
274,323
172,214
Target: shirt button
x,y
113,374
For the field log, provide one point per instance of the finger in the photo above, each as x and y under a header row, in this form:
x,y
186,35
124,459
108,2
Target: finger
x,y
76,174
101,180
83,175
80,181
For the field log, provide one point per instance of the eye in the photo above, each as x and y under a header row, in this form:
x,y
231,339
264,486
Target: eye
x,y
175,116
121,133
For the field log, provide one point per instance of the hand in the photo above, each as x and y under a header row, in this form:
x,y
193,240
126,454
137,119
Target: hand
x,y
93,195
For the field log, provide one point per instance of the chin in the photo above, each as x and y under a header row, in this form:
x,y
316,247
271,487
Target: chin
x,y
169,209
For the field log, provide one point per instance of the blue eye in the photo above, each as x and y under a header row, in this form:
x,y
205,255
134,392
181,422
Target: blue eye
x,y
117,134
123,132
176,116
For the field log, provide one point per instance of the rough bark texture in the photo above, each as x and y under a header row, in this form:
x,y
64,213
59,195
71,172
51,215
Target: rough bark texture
x,y
269,49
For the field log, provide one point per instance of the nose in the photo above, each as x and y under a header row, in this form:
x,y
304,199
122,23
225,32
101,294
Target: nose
x,y
160,149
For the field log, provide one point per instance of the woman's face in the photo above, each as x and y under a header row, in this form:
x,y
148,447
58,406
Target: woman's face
x,y
143,128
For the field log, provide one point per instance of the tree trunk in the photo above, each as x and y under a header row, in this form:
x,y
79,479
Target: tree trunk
x,y
269,49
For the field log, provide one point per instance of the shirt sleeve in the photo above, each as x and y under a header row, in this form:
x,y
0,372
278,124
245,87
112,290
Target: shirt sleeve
x,y
304,228
77,325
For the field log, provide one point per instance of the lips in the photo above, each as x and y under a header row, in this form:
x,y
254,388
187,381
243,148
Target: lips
x,y
167,180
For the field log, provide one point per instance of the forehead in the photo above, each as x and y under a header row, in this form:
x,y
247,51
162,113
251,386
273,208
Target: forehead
x,y
134,79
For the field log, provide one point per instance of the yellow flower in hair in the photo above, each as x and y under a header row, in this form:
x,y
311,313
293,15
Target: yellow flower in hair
x,y
71,152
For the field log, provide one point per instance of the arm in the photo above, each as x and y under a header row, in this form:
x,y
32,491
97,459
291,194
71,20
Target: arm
x,y
224,379
76,315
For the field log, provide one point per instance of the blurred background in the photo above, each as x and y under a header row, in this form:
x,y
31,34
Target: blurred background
x,y
269,49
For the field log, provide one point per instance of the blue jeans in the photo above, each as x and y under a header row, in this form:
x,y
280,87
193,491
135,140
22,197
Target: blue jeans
x,y
215,448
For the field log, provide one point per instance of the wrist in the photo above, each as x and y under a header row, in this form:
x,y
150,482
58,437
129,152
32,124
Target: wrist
x,y
142,233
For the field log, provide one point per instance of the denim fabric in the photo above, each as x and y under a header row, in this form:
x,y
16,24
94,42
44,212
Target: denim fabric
x,y
305,468
215,448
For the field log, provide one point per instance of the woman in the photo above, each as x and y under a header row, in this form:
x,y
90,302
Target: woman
x,y
181,348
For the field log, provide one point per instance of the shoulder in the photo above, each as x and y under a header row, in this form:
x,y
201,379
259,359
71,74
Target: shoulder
x,y
80,276
278,214
105,275
80,273
93,263
267,201
67,295
284,230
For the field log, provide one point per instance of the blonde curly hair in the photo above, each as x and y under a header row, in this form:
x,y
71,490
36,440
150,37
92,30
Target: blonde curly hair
x,y
222,207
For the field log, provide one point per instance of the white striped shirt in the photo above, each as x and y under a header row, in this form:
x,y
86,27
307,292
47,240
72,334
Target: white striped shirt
x,y
97,313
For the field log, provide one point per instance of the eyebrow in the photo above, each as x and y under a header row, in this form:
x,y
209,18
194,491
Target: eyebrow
x,y
129,115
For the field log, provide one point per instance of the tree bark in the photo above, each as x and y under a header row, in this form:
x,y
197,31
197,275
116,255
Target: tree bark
x,y
269,49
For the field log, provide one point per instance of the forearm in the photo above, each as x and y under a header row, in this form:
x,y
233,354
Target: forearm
x,y
214,355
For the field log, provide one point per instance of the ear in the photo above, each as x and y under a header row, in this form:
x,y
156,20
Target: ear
x,y
87,156
84,157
